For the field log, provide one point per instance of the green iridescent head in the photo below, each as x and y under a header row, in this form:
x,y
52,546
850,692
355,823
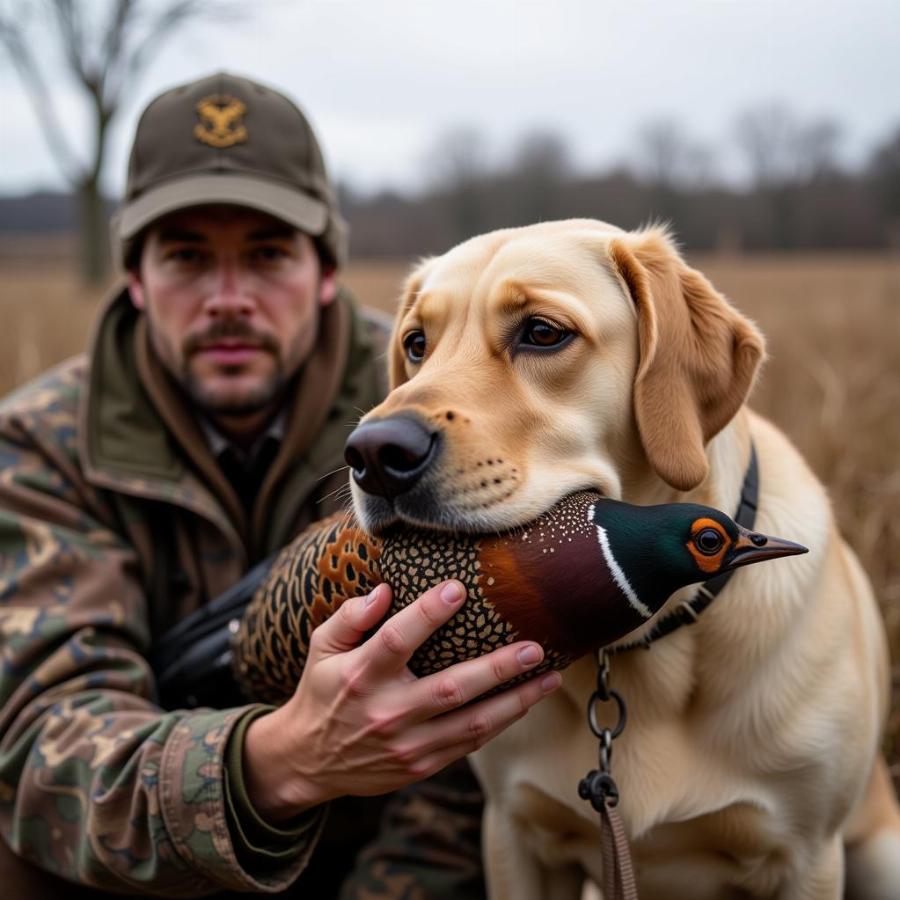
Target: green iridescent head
x,y
658,549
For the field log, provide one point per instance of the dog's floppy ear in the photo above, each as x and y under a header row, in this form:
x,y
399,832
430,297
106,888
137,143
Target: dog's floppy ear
x,y
698,355
408,295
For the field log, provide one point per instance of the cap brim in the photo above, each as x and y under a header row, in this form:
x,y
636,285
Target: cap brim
x,y
279,200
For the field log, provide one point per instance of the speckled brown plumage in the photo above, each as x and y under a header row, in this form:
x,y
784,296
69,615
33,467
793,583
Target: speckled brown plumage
x,y
514,581
581,576
311,578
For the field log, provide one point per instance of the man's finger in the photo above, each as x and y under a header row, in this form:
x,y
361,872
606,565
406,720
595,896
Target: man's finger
x,y
347,627
459,684
466,730
390,648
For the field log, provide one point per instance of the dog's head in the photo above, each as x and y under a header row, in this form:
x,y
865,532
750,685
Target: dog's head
x,y
532,362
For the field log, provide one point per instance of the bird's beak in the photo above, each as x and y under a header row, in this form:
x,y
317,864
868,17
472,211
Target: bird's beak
x,y
751,547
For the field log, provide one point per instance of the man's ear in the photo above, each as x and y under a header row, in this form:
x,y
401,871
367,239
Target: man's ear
x,y
136,289
410,292
698,356
328,285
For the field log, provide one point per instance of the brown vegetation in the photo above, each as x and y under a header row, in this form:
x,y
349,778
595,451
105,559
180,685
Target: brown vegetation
x,y
832,381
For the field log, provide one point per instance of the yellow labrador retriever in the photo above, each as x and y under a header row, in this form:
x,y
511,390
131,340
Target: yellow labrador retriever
x,y
572,355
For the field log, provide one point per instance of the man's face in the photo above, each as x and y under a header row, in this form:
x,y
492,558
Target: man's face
x,y
232,299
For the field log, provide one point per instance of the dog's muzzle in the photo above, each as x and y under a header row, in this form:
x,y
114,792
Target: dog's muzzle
x,y
389,456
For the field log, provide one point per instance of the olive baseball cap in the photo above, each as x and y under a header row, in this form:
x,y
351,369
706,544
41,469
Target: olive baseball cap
x,y
226,139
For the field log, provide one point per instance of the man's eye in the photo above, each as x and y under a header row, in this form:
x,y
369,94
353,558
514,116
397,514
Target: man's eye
x,y
542,334
414,345
269,253
185,255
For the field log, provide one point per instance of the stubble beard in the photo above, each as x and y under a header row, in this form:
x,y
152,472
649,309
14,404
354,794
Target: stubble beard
x,y
215,401
228,403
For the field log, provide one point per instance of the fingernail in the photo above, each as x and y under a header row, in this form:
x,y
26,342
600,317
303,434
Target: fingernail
x,y
370,597
452,592
551,682
529,656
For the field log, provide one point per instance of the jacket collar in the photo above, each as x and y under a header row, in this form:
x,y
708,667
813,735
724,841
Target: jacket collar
x,y
221,445
137,431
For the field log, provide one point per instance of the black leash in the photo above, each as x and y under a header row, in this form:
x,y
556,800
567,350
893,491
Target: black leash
x,y
598,786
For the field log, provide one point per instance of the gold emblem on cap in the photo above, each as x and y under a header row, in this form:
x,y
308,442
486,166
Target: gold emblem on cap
x,y
220,121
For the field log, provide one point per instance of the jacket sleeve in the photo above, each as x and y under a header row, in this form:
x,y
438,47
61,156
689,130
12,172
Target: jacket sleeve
x,y
97,784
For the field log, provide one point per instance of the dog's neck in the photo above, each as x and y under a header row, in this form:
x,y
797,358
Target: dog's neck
x,y
728,454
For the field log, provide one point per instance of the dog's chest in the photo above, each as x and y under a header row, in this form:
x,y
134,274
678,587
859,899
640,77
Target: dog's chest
x,y
731,852
711,838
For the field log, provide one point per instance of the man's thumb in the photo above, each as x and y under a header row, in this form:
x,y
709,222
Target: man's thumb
x,y
351,623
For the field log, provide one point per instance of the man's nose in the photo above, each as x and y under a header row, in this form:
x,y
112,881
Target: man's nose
x,y
229,292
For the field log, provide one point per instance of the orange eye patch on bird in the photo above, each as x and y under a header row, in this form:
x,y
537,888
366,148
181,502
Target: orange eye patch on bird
x,y
582,576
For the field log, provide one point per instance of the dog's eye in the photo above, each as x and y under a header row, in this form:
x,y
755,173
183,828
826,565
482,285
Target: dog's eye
x,y
708,541
414,344
541,333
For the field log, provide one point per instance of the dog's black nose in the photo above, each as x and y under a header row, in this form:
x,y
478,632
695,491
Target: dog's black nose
x,y
388,456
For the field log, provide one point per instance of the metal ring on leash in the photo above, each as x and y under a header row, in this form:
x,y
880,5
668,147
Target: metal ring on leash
x,y
596,728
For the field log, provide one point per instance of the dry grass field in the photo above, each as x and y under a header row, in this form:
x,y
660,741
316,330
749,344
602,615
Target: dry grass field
x,y
832,381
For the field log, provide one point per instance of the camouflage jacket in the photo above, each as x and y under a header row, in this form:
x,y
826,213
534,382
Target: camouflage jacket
x,y
101,467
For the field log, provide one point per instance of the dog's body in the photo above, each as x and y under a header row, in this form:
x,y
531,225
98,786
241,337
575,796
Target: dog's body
x,y
572,355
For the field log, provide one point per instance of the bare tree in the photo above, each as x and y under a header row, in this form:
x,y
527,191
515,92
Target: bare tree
x,y
543,154
456,157
457,171
884,178
670,164
104,49
784,153
781,149
668,159
539,171
816,146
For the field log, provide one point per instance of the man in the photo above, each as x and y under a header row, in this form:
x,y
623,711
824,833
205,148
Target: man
x,y
202,431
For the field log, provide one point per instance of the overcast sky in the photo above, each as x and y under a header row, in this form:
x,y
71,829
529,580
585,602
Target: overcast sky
x,y
382,79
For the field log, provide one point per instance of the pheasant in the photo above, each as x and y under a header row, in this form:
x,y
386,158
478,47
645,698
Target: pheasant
x,y
582,576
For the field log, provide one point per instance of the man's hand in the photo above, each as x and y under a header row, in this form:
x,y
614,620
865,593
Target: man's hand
x,y
361,723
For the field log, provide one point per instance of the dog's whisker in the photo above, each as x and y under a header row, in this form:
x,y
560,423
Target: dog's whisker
x,y
336,495
334,472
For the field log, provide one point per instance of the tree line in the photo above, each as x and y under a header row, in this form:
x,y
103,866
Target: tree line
x,y
798,195
797,198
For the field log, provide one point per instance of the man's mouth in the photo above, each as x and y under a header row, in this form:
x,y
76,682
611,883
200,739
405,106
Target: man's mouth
x,y
230,352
